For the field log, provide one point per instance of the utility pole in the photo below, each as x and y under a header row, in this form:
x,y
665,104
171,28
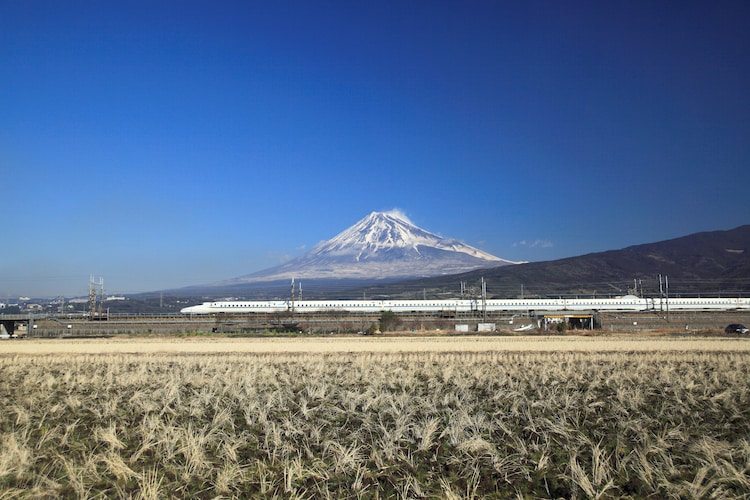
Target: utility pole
x,y
292,295
484,299
101,295
92,298
93,293
661,295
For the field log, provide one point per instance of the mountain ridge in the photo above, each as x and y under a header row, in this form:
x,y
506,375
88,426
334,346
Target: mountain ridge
x,y
711,262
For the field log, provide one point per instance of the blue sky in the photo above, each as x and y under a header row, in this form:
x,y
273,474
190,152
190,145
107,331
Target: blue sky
x,y
166,144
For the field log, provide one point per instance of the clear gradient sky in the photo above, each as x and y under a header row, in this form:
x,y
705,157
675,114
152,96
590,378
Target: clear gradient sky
x,y
166,144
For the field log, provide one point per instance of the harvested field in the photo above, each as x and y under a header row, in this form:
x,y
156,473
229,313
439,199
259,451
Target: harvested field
x,y
447,417
344,344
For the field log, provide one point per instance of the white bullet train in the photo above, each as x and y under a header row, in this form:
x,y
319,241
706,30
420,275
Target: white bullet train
x,y
625,303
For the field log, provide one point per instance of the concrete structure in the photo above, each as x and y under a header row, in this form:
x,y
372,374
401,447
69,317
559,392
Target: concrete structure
x,y
570,321
9,322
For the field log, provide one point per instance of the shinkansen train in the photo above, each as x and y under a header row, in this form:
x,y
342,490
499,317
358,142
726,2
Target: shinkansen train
x,y
624,304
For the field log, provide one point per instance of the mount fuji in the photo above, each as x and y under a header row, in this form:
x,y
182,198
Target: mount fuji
x,y
382,246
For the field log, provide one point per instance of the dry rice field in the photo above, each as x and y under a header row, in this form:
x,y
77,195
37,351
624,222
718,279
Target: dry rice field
x,y
416,417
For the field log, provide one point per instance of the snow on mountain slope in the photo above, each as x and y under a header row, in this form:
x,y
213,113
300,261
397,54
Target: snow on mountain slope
x,y
382,245
379,233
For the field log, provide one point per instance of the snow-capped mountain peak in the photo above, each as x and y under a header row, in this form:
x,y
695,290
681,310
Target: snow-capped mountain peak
x,y
382,245
386,231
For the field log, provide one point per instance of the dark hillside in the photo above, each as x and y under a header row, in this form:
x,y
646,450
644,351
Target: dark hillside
x,y
716,262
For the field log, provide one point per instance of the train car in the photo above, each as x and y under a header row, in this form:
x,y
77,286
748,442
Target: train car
x,y
701,304
227,306
627,303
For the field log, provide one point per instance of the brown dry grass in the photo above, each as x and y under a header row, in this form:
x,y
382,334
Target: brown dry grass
x,y
435,417
339,344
